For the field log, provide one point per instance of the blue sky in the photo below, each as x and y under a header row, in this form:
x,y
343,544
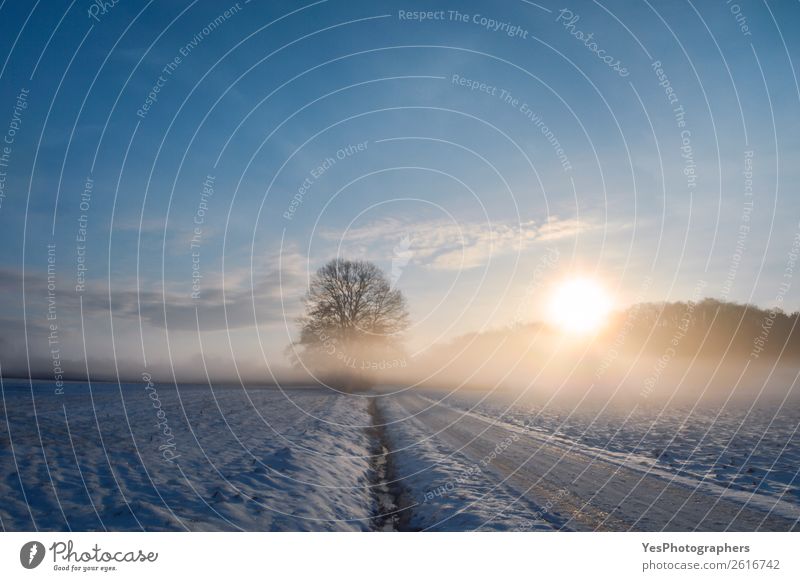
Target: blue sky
x,y
458,192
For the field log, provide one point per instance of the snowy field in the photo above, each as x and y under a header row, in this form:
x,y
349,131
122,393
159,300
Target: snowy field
x,y
253,460
752,450
643,469
143,456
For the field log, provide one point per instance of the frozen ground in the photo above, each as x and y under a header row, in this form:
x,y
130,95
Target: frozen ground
x,y
739,448
255,460
598,471
447,488
135,457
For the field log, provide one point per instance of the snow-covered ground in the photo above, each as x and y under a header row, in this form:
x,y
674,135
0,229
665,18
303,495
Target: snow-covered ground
x,y
448,490
740,448
259,459
153,457
633,470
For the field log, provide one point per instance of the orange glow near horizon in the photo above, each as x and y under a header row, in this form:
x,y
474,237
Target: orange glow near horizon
x,y
579,305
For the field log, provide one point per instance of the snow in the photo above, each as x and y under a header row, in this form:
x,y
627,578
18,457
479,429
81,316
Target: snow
x,y
261,459
749,452
641,469
150,456
448,490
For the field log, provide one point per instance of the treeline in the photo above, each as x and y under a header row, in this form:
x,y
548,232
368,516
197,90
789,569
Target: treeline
x,y
656,349
708,328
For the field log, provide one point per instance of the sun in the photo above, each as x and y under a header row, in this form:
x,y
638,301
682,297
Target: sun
x,y
579,305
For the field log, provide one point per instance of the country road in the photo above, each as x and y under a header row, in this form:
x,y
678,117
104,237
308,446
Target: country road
x,y
454,462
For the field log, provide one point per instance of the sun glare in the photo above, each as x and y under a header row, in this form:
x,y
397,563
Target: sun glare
x,y
579,305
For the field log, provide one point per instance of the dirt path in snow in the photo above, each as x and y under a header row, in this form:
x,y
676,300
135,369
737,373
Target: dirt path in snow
x,y
391,502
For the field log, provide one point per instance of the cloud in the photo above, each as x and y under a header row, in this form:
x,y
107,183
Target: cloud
x,y
554,229
266,295
446,245
243,299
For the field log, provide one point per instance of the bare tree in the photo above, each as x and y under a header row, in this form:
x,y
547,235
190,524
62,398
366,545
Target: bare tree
x,y
351,313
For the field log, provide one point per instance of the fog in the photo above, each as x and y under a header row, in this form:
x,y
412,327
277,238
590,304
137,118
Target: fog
x,y
542,365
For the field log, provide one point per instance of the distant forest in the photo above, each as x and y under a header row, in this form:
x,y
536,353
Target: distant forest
x,y
709,328
639,347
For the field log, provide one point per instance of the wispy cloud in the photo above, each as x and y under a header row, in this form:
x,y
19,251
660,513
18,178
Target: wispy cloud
x,y
243,298
446,245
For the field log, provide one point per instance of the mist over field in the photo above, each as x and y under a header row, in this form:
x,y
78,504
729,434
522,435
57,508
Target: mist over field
x,y
705,353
